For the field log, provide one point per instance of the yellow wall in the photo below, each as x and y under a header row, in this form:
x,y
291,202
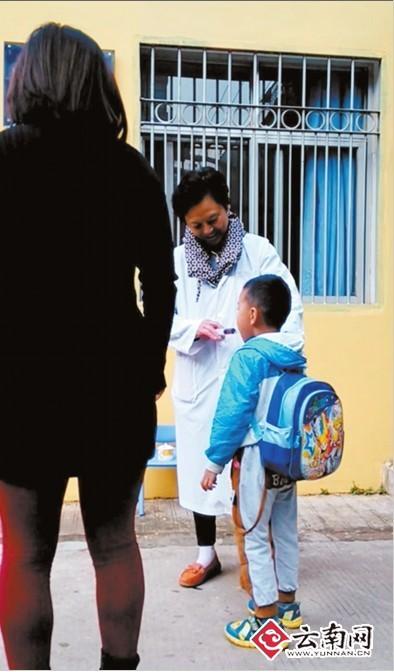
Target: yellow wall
x,y
352,347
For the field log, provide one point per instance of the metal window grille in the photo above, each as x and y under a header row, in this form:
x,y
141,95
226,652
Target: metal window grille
x,y
297,139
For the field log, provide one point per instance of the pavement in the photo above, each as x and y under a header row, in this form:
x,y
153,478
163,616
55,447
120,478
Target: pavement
x,y
346,576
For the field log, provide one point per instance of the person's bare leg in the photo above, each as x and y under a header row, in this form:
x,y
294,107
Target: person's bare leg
x,y
109,516
30,522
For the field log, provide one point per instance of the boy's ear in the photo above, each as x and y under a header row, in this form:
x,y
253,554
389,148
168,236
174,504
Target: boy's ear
x,y
253,315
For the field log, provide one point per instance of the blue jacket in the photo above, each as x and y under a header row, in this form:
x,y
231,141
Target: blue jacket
x,y
258,359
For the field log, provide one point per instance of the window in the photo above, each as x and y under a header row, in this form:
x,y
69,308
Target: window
x,y
296,137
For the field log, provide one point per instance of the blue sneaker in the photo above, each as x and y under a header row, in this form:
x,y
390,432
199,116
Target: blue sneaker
x,y
241,632
289,613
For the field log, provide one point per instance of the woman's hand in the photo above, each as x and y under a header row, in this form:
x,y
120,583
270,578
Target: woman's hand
x,y
209,330
208,481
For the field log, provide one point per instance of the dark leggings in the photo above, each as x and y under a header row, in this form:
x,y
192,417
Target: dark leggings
x,y
205,529
30,521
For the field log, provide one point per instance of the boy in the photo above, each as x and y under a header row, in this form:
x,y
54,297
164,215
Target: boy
x,y
263,307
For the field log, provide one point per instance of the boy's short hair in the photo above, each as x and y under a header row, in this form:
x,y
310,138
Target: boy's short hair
x,y
272,296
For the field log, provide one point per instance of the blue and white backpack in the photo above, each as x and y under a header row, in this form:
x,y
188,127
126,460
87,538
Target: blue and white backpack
x,y
302,435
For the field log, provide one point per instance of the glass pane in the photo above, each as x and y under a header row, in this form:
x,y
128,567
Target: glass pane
x,y
217,89
217,77
266,191
191,85
291,208
191,75
291,81
145,69
241,79
316,83
361,83
367,83
329,226
166,81
268,79
239,180
288,190
340,89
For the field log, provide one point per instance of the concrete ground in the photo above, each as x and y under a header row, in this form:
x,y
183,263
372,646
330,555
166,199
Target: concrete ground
x,y
346,575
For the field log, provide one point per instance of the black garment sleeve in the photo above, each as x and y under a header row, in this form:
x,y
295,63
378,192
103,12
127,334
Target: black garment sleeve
x,y
154,259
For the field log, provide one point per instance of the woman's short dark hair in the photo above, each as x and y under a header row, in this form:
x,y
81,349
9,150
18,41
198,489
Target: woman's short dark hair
x,y
195,185
271,294
61,73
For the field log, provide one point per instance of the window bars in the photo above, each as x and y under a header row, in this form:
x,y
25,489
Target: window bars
x,y
297,139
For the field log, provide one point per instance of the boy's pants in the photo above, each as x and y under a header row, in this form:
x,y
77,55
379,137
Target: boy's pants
x,y
261,574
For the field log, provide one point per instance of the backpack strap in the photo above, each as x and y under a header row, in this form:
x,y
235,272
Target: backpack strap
x,y
286,380
260,511
257,431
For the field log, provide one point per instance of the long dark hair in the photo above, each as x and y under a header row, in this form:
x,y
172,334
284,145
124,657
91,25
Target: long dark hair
x,y
61,74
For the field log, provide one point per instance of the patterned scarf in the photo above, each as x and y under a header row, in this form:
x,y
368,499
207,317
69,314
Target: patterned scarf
x,y
198,257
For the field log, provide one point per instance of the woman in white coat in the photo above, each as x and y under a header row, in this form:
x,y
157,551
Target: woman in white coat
x,y
214,262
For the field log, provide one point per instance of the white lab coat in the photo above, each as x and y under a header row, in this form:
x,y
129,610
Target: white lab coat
x,y
201,365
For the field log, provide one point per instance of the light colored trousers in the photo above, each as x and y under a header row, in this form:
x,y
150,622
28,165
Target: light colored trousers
x,y
268,574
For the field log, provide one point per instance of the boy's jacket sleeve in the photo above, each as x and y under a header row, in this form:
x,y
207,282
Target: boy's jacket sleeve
x,y
236,406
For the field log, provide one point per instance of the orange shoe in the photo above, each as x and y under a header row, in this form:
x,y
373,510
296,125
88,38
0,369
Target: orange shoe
x,y
196,574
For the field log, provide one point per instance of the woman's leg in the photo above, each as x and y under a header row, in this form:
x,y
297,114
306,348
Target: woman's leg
x,y
207,565
30,522
108,512
206,538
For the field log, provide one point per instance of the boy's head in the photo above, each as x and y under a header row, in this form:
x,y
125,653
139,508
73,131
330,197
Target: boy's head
x,y
263,306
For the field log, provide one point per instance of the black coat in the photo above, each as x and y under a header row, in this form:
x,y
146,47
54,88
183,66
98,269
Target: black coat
x,y
79,363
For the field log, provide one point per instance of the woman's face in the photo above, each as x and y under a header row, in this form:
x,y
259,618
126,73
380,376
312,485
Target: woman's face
x,y
208,222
